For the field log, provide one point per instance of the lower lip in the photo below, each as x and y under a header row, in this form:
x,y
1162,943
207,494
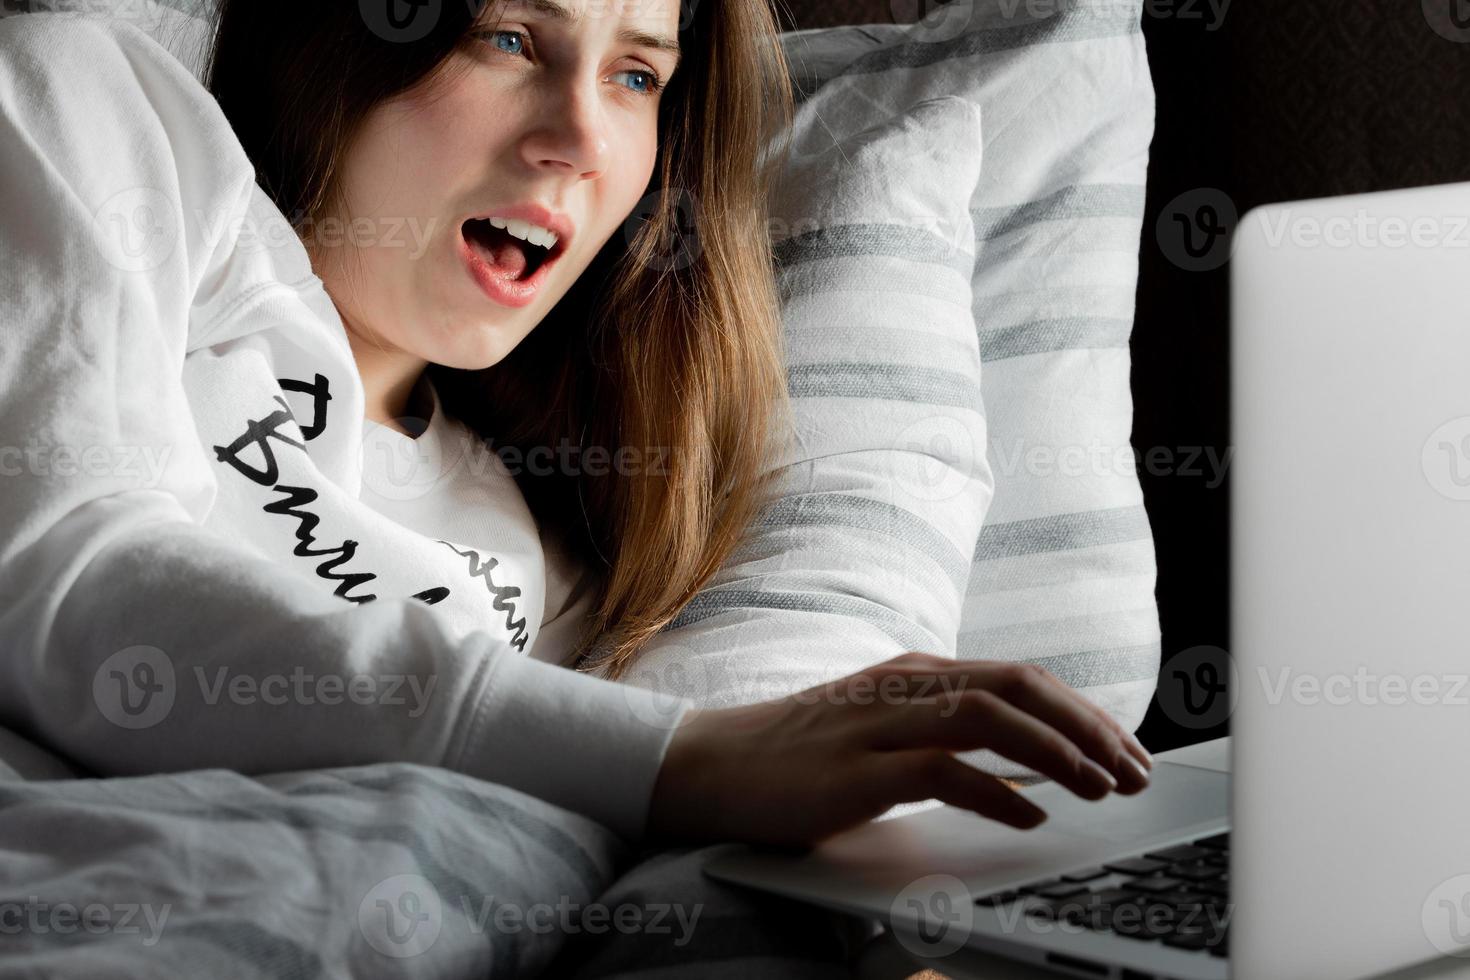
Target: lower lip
x,y
514,293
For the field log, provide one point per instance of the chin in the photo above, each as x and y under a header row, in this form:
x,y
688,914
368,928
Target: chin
x,y
476,346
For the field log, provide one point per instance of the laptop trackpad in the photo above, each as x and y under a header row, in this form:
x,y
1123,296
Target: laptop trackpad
x,y
1176,798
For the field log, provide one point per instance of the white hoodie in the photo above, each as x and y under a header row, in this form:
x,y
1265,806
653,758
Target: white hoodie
x,y
200,566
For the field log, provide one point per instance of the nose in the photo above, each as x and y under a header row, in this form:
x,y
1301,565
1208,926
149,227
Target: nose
x,y
571,139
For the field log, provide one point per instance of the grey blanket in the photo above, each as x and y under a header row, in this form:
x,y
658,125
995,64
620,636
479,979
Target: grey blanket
x,y
373,871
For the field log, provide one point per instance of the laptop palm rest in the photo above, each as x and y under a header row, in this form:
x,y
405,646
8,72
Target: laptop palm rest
x,y
853,869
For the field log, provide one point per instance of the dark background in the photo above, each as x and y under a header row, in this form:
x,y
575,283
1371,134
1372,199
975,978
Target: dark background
x,y
1276,100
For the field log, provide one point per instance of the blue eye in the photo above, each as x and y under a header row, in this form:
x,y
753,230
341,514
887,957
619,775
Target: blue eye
x,y
652,84
516,34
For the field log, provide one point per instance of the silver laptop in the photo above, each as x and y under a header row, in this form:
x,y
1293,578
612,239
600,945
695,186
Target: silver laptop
x,y
1343,848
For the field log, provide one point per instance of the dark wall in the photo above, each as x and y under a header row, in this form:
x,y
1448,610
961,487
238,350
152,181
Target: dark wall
x,y
1258,101
1273,102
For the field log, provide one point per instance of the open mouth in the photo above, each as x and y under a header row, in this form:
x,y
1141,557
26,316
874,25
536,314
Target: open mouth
x,y
509,257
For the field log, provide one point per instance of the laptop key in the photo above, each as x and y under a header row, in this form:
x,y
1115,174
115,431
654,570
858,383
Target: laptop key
x,y
1103,905
1184,895
1215,841
1153,885
1196,872
998,899
1060,909
1136,866
1063,890
1086,874
1180,854
1037,886
1186,940
1141,922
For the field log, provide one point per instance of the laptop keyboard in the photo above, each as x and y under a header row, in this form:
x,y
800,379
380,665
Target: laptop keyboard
x,y
1178,895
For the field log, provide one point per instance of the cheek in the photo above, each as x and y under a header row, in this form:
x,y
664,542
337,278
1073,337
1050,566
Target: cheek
x,y
397,167
626,190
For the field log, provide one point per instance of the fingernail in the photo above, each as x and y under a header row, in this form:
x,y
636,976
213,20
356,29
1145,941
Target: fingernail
x,y
1147,755
1031,817
1135,768
1100,775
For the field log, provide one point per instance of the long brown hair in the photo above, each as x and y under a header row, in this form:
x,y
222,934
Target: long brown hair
x,y
666,354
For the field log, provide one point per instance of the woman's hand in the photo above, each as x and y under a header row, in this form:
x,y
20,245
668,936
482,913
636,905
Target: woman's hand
x,y
799,769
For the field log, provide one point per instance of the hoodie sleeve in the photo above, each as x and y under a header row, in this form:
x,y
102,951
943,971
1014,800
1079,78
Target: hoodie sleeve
x,y
135,639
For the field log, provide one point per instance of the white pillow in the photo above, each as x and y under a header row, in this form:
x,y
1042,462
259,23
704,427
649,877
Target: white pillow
x,y
1064,569
184,27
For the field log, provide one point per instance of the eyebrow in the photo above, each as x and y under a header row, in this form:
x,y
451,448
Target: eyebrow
x,y
555,10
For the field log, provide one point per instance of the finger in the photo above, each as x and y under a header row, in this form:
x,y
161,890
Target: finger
x,y
1129,739
1085,716
916,674
1041,693
929,774
980,719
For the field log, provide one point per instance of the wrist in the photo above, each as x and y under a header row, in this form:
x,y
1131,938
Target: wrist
x,y
680,805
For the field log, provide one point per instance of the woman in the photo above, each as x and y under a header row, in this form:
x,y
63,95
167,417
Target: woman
x,y
194,617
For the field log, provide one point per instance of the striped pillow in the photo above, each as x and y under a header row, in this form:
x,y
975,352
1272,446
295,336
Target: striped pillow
x,y
866,548
1063,572
1064,569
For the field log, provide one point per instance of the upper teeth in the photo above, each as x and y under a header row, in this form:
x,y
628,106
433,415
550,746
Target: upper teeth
x,y
526,231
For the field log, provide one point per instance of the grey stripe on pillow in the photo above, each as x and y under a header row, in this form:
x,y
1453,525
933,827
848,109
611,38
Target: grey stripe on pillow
x,y
1071,23
898,241
903,631
1068,205
839,511
1061,532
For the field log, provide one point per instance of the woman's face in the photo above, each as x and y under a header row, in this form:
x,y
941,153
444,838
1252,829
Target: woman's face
x,y
556,110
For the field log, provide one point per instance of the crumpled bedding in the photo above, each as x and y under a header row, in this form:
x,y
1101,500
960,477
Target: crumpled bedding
x,y
384,870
